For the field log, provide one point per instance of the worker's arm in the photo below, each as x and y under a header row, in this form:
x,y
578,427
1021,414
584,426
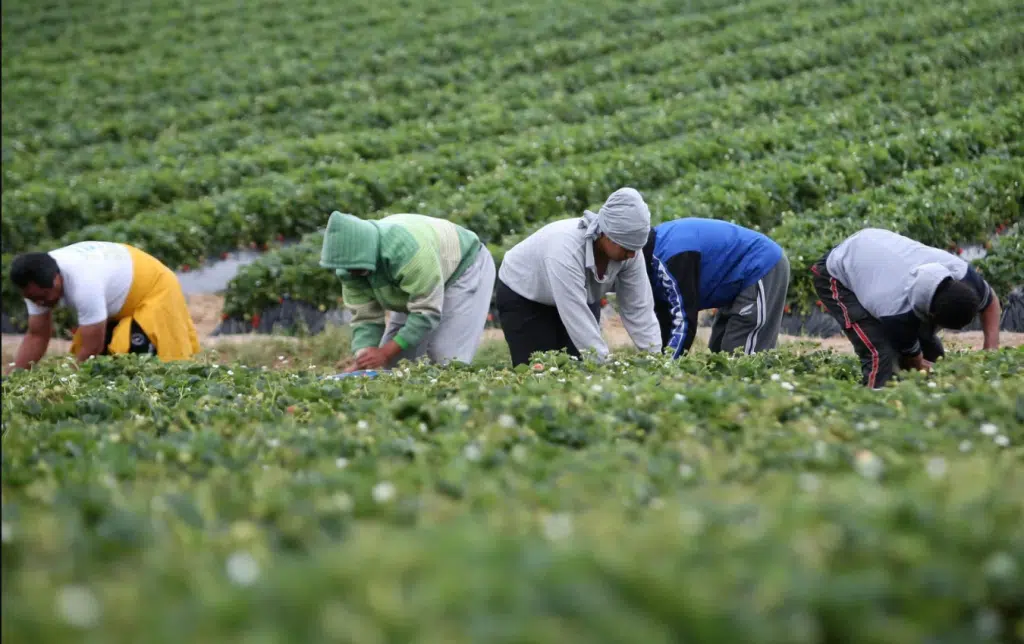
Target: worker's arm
x,y
989,309
33,346
93,337
990,318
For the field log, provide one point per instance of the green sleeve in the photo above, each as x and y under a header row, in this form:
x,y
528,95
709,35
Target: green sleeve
x,y
367,314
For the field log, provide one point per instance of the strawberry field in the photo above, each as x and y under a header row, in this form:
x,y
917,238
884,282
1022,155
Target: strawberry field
x,y
734,499
192,132
767,499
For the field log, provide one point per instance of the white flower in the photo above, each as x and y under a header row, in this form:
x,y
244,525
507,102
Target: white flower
x,y
273,442
557,527
937,467
931,383
868,465
679,397
1001,566
363,425
507,421
989,624
423,428
965,446
596,388
383,492
472,452
242,569
776,377
989,429
788,386
78,606
341,462
1001,440
230,372
685,471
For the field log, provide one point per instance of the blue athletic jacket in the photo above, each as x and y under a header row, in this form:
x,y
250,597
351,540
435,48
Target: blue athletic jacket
x,y
695,264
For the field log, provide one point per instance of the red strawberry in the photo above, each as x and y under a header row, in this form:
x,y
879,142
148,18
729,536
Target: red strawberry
x,y
604,302
185,268
788,309
291,409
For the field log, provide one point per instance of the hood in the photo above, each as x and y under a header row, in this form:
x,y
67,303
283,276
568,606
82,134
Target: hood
x,y
350,244
924,279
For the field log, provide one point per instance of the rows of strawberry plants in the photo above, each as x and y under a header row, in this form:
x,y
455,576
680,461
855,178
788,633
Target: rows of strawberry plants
x,y
386,98
809,176
945,205
767,498
428,107
296,206
45,210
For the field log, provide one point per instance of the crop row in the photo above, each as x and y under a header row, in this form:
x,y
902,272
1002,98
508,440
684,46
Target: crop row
x,y
525,197
758,499
285,205
111,37
293,90
119,194
945,206
779,53
292,41
519,197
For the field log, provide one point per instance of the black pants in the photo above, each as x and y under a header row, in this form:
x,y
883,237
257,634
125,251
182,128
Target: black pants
x,y
866,333
530,326
139,342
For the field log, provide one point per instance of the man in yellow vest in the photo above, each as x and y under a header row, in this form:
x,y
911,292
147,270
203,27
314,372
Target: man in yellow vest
x,y
126,302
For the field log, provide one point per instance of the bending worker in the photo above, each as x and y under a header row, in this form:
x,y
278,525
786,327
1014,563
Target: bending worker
x,y
550,283
890,294
435,278
126,301
696,264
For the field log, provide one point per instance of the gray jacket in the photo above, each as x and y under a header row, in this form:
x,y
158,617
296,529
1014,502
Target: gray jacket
x,y
555,266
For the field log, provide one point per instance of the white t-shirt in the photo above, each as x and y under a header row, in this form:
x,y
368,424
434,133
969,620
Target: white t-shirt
x,y
97,278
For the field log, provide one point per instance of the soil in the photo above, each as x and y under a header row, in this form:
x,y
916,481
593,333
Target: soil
x,y
206,314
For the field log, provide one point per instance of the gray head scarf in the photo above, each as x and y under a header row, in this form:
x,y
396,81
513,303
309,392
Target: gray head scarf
x,y
624,217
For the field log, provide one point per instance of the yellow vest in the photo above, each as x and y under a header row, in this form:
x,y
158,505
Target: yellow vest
x,y
156,302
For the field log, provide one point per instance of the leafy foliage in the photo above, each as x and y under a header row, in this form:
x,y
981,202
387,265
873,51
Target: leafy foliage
x,y
768,498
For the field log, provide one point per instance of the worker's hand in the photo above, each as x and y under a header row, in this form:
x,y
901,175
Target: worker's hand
x,y
372,358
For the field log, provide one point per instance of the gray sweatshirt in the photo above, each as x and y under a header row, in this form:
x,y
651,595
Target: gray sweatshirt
x,y
894,279
555,266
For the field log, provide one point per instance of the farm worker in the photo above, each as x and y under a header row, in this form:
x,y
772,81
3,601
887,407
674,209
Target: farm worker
x,y
551,283
434,277
695,264
891,294
126,301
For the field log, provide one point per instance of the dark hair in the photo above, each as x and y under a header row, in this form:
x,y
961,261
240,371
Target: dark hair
x,y
954,304
34,268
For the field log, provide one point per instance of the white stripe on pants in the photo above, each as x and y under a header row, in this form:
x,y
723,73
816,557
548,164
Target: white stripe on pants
x,y
759,306
467,302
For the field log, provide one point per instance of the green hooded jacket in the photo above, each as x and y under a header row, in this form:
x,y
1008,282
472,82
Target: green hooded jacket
x,y
410,259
